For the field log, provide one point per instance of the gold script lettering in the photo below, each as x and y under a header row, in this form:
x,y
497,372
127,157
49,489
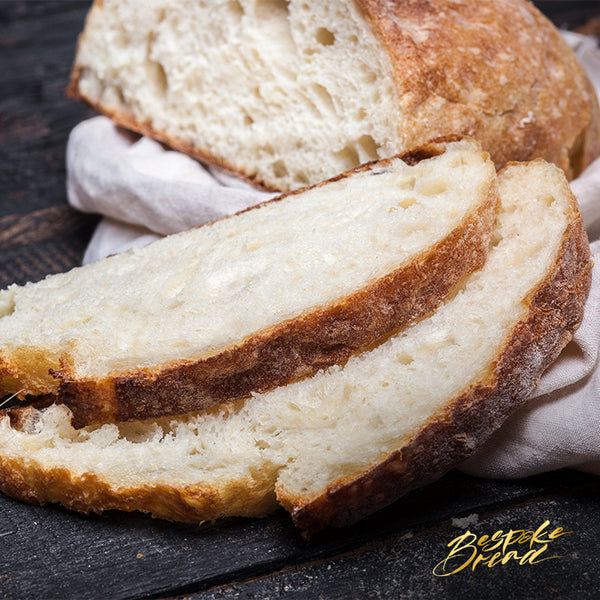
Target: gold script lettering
x,y
468,549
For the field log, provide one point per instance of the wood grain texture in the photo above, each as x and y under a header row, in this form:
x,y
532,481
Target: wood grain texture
x,y
37,41
47,240
47,552
39,234
402,566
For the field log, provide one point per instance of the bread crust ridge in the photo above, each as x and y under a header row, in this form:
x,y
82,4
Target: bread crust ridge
x,y
293,349
452,435
553,311
454,80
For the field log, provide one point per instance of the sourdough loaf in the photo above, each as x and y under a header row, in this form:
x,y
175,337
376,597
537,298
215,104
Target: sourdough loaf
x,y
289,93
255,300
336,446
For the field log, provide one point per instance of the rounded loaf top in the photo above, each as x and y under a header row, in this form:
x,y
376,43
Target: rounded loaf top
x,y
287,93
495,70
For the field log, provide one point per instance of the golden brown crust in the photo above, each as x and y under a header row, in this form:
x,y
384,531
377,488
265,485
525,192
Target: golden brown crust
x,y
555,309
555,312
88,493
281,354
298,347
128,121
508,79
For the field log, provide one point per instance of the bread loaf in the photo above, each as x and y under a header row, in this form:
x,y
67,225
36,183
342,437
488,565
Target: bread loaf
x,y
339,445
256,300
288,93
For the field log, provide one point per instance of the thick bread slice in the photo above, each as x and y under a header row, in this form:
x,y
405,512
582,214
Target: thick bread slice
x,y
256,300
336,446
289,93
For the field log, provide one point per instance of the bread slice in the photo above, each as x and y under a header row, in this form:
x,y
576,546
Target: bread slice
x,y
345,442
257,300
289,93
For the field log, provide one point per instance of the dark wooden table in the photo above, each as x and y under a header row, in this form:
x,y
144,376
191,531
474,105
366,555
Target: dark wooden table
x,y
50,553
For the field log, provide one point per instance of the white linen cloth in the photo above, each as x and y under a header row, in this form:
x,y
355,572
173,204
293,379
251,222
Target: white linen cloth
x,y
145,190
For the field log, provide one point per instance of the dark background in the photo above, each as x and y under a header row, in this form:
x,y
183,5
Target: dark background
x,y
52,553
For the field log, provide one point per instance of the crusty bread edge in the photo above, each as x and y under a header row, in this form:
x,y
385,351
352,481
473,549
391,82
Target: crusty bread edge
x,y
128,121
15,380
572,154
555,311
297,347
582,149
88,493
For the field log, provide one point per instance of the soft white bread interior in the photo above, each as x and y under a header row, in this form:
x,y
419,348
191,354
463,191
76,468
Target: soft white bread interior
x,y
336,446
255,300
289,93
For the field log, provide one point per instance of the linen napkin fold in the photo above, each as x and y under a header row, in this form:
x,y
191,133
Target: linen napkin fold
x,y
559,426
145,190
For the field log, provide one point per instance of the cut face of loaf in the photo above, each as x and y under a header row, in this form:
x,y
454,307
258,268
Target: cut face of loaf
x,y
289,93
339,445
256,300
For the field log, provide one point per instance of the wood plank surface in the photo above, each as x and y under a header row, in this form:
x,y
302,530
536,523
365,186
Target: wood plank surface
x,y
402,566
48,552
51,553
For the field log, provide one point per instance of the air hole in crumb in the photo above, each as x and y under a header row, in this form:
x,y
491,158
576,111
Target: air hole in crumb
x,y
403,204
495,240
408,183
369,76
325,37
323,95
279,169
248,120
290,74
8,306
369,146
155,72
235,8
113,95
274,17
548,200
405,358
432,186
158,77
301,178
455,161
272,8
310,105
348,157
